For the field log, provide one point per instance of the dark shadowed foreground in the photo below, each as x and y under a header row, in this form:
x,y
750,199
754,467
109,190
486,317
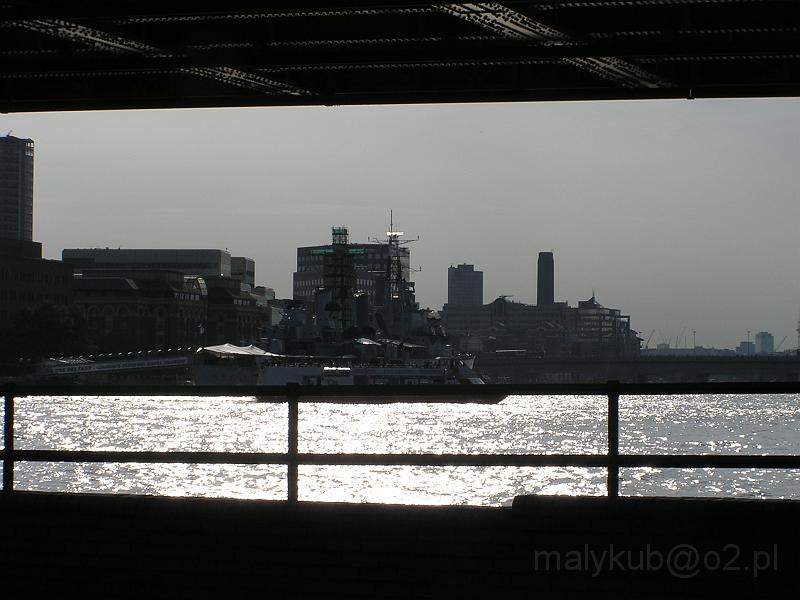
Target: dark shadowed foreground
x,y
543,547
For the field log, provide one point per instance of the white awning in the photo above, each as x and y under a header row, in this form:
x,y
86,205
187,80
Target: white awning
x,y
230,349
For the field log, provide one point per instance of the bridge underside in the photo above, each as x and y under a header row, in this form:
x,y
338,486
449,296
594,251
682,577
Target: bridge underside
x,y
145,54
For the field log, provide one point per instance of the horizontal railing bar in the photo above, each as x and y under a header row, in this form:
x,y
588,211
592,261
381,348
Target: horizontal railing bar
x,y
709,461
124,456
456,460
431,460
457,393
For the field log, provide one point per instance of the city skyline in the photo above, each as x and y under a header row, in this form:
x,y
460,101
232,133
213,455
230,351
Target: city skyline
x,y
688,223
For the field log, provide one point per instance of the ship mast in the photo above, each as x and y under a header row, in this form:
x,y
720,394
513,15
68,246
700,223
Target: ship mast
x,y
398,291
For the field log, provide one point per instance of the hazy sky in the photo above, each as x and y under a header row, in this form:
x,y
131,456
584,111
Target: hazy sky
x,y
684,214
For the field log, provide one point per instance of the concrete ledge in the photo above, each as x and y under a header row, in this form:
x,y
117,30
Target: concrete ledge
x,y
543,547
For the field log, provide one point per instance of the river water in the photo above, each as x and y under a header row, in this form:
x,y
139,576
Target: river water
x,y
724,424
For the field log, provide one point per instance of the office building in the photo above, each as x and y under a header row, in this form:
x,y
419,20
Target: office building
x,y
765,343
143,298
545,280
244,269
16,188
141,310
464,286
201,263
370,264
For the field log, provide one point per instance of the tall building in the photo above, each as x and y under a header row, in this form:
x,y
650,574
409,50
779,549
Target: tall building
x,y
464,286
545,281
16,188
765,343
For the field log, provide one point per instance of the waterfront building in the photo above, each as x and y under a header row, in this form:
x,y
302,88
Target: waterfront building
x,y
464,286
16,188
765,343
233,314
591,329
197,262
28,281
153,286
600,328
141,310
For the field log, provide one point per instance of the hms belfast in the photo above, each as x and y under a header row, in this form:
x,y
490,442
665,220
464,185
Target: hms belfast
x,y
354,320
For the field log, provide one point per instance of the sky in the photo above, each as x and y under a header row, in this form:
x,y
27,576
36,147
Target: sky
x,y
682,213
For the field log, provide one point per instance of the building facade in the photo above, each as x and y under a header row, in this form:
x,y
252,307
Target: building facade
x,y
464,286
558,329
163,298
16,188
233,315
370,264
141,310
765,343
28,281
545,279
200,262
244,269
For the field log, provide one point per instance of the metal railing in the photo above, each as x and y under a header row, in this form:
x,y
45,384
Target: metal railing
x,y
293,395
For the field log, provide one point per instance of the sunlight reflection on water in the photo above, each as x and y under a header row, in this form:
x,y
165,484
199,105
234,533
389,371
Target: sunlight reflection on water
x,y
520,424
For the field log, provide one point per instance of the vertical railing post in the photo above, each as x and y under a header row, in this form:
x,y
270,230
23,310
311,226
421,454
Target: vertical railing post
x,y
292,396
613,439
8,441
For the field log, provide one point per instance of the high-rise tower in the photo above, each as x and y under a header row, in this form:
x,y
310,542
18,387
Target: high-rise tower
x,y
464,286
16,188
545,284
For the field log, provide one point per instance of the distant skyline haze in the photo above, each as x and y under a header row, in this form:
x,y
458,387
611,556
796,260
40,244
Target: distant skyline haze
x,y
681,213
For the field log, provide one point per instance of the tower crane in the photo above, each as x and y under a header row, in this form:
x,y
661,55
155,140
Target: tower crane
x,y
649,337
680,337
